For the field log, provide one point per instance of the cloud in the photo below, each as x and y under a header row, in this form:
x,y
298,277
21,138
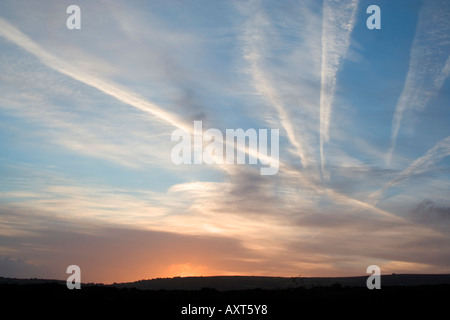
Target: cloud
x,y
97,146
286,232
429,66
426,162
13,267
338,22
115,254
86,124
255,44
171,57
431,214
280,43
14,35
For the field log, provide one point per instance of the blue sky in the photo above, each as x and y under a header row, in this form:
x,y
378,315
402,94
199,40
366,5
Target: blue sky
x,y
86,118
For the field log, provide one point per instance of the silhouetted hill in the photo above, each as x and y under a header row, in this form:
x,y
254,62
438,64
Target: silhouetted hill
x,y
30,281
223,283
226,283
283,298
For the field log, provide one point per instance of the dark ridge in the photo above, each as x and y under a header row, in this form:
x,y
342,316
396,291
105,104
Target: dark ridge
x,y
54,298
223,283
282,298
226,283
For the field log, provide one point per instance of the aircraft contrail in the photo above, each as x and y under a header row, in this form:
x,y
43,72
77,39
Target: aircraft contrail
x,y
337,24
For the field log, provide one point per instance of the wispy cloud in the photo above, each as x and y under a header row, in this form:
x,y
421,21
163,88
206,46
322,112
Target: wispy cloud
x,y
432,157
255,46
429,66
212,209
14,35
338,22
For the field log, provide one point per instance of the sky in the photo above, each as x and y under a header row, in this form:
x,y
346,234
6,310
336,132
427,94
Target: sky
x,y
86,118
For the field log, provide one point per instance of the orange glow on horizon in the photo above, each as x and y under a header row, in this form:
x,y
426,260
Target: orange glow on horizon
x,y
186,270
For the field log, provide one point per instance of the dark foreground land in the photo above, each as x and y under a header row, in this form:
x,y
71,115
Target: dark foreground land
x,y
294,302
